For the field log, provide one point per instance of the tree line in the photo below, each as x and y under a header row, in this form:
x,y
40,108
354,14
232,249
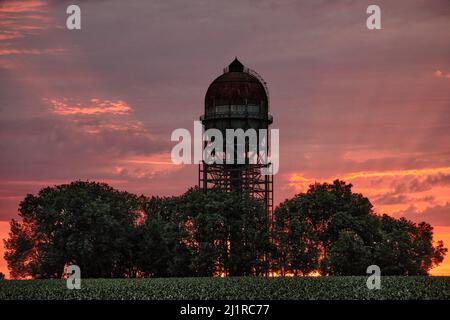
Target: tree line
x,y
110,233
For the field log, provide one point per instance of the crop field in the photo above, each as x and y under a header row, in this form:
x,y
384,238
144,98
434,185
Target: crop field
x,y
300,288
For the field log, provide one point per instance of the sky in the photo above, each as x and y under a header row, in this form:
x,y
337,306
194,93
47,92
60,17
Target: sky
x,y
371,107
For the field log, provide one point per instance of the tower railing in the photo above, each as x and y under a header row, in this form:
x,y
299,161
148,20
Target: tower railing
x,y
261,79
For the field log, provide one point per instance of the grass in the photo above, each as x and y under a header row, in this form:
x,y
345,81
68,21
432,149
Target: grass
x,y
301,288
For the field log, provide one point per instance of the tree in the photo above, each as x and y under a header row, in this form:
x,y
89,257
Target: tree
x,y
229,232
348,255
84,223
203,234
20,253
109,233
406,248
162,248
338,230
297,243
2,276
308,225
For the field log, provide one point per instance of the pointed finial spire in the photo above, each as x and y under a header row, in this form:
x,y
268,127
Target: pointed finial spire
x,y
236,66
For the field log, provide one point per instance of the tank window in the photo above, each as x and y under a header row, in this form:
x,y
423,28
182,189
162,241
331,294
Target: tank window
x,y
253,108
221,109
224,109
237,108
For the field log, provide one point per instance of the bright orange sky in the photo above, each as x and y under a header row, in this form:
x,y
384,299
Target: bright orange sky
x,y
369,107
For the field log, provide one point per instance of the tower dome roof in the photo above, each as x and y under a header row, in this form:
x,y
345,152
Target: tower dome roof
x,y
236,86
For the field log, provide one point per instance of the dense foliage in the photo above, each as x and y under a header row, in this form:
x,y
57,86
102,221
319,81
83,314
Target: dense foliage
x,y
232,288
202,234
331,229
84,223
109,233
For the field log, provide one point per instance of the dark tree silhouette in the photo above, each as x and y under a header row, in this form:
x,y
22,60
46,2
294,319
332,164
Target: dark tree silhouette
x,y
203,234
406,248
230,233
332,224
297,250
84,223
109,233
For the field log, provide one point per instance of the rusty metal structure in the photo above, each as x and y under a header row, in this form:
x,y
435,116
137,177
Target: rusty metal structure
x,y
238,99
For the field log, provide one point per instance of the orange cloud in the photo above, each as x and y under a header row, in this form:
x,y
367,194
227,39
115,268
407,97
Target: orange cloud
x,y
32,17
396,173
98,115
295,179
22,6
9,52
418,194
392,190
145,167
95,107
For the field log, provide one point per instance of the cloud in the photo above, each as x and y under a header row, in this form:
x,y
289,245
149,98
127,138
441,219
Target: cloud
x,y
146,167
390,198
349,103
441,74
438,215
429,178
22,18
8,35
63,107
21,6
75,141
438,73
421,184
99,116
9,52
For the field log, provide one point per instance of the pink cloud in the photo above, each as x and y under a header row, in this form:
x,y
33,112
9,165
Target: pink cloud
x,y
19,18
145,167
438,215
441,74
98,115
22,6
96,106
9,52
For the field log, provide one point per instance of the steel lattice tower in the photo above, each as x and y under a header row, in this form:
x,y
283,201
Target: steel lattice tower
x,y
238,99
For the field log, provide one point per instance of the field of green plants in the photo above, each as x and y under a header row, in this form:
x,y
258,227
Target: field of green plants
x,y
299,288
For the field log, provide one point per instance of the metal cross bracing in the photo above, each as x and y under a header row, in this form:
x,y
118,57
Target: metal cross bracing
x,y
245,178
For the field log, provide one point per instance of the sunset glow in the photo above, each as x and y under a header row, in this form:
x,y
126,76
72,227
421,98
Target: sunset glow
x,y
372,109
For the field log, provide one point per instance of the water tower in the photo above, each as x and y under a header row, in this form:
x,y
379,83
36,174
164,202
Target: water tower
x,y
238,99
